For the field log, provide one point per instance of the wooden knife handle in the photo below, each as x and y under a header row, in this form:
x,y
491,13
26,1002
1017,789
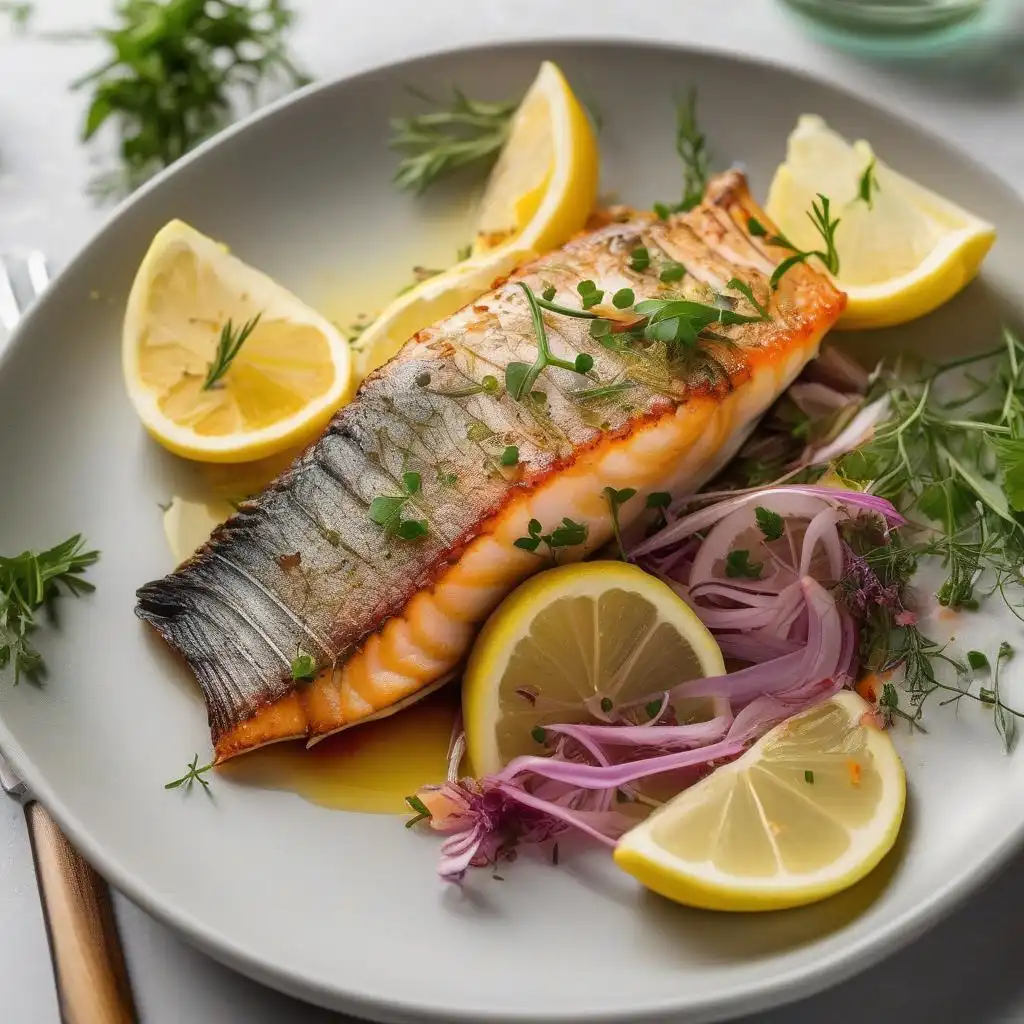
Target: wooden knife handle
x,y
92,983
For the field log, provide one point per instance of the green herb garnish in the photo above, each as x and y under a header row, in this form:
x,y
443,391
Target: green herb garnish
x,y
756,228
387,510
978,661
1006,720
820,217
606,704
739,566
639,259
659,501
446,138
747,292
538,734
304,667
510,456
623,298
590,294
769,523
868,181
420,810
809,776
229,345
653,708
28,582
567,534
692,149
521,377
193,774
173,73
616,499
671,272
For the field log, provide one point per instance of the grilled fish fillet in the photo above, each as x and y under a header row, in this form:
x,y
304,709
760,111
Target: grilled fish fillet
x,y
304,570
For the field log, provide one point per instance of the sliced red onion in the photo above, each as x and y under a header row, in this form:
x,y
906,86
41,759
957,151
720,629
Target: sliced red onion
x,y
706,517
856,433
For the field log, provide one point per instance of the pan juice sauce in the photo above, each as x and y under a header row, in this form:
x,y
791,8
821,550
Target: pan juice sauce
x,y
370,768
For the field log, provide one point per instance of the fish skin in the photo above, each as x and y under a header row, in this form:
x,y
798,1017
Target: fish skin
x,y
387,620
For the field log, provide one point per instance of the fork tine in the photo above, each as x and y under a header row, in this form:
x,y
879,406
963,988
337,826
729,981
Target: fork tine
x,y
10,314
38,272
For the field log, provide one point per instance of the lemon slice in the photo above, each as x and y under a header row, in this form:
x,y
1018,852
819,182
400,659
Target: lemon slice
x,y
573,644
540,193
901,255
810,809
290,375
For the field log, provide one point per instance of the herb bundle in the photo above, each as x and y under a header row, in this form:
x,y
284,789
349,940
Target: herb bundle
x,y
29,582
174,71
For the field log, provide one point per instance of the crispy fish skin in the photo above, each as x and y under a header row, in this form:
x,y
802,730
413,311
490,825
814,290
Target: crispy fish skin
x,y
303,569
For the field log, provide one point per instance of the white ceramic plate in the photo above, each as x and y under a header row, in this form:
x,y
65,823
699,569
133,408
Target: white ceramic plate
x,y
345,909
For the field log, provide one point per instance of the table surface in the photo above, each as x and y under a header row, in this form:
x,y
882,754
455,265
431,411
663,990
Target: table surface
x,y
966,969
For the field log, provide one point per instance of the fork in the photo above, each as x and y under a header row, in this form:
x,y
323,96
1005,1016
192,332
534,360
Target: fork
x,y
88,964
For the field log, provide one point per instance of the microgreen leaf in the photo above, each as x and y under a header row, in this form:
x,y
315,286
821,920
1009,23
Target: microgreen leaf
x,y
639,259
671,272
606,704
623,298
386,508
510,456
808,776
978,661
756,228
616,499
739,566
411,529
413,482
769,523
303,667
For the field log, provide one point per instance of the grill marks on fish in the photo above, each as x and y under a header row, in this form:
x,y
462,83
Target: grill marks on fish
x,y
387,619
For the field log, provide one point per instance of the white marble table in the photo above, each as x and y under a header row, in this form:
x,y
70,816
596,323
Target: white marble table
x,y
967,969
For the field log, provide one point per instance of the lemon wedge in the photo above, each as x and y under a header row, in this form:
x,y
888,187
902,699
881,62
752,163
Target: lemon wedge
x,y
290,375
808,811
903,249
574,644
540,193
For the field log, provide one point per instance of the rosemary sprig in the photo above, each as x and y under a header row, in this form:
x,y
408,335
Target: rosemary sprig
x,y
192,775
228,346
446,138
28,582
174,70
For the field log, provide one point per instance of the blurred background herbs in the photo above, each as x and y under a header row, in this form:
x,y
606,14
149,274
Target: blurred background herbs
x,y
176,71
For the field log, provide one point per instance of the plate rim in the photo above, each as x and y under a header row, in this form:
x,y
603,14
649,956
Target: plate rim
x,y
776,988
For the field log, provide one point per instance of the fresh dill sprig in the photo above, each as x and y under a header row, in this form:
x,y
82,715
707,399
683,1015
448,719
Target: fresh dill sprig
x,y
173,73
228,346
691,145
193,774
28,582
446,138
820,215
955,475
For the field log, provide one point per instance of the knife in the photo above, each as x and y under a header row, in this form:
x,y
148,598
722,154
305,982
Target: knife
x,y
88,964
